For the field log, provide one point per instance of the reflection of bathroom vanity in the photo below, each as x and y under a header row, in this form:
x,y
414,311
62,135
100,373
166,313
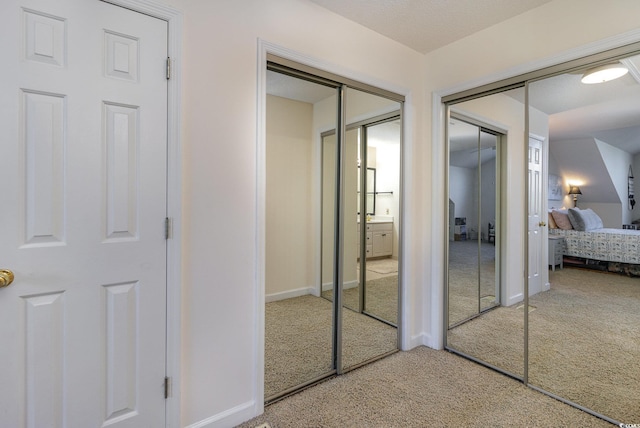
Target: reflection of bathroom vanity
x,y
379,238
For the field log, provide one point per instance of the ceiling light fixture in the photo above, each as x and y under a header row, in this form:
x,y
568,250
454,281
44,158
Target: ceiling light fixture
x,y
604,73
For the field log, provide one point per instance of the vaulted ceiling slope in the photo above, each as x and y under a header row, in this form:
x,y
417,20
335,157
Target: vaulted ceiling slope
x,y
426,25
598,168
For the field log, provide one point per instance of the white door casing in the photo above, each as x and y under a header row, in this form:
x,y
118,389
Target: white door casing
x,y
83,112
535,216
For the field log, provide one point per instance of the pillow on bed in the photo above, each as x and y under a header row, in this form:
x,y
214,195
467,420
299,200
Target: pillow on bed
x,y
584,220
562,219
551,221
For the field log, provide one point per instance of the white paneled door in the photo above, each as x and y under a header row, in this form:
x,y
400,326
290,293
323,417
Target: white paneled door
x,y
83,141
535,216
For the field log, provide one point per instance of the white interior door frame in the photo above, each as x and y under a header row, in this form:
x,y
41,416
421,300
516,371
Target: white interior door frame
x,y
173,17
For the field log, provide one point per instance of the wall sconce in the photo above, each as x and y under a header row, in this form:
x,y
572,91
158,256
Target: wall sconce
x,y
575,191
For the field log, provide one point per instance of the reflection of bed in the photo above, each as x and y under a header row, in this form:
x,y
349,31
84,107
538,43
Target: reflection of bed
x,y
611,245
614,250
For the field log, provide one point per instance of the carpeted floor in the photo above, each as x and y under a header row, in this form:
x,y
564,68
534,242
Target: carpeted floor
x,y
298,338
381,298
472,284
584,341
298,341
583,347
422,388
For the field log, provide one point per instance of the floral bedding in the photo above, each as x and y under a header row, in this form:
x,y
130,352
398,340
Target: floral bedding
x,y
612,245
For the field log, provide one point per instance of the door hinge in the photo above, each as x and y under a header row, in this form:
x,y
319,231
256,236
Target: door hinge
x,y
168,68
167,387
167,228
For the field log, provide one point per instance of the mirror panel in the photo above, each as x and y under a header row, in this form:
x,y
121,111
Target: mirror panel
x,y
298,322
383,184
315,187
485,314
464,272
485,232
364,336
583,332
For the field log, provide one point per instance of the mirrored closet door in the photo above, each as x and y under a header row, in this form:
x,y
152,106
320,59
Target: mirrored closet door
x,y
484,316
371,228
332,229
583,333
566,310
298,322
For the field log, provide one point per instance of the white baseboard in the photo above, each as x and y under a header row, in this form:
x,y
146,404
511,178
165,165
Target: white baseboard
x,y
422,339
288,294
349,284
515,299
229,418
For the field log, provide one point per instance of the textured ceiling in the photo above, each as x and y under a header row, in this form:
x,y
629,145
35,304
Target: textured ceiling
x,y
426,25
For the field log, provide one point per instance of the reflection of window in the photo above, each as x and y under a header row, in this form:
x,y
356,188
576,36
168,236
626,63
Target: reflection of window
x,y
371,191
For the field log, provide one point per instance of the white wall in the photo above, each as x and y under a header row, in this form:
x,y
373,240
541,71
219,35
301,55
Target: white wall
x,y
463,182
617,162
223,159
223,214
289,230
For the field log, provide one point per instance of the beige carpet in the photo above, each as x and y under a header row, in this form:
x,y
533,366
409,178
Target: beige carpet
x,y
471,279
422,388
381,298
584,340
298,341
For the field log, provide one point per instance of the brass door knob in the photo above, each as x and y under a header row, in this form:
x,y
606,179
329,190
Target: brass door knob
x,y
6,277
542,224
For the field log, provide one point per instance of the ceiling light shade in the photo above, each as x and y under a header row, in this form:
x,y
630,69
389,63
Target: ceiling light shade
x,y
604,73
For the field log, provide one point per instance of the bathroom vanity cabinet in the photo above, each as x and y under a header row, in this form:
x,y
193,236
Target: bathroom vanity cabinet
x,y
379,238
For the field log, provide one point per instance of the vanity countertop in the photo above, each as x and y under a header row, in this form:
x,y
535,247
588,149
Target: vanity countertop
x,y
380,219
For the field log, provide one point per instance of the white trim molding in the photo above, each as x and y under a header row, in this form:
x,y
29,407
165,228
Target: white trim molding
x,y
230,417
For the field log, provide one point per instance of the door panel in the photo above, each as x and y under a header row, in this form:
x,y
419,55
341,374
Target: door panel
x,y
365,335
84,148
535,216
478,325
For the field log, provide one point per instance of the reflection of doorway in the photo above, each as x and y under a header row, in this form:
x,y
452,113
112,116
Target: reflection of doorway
x,y
312,228
536,216
369,290
474,173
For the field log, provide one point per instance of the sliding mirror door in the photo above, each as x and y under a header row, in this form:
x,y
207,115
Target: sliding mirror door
x,y
332,213
298,322
583,334
485,314
380,279
371,219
